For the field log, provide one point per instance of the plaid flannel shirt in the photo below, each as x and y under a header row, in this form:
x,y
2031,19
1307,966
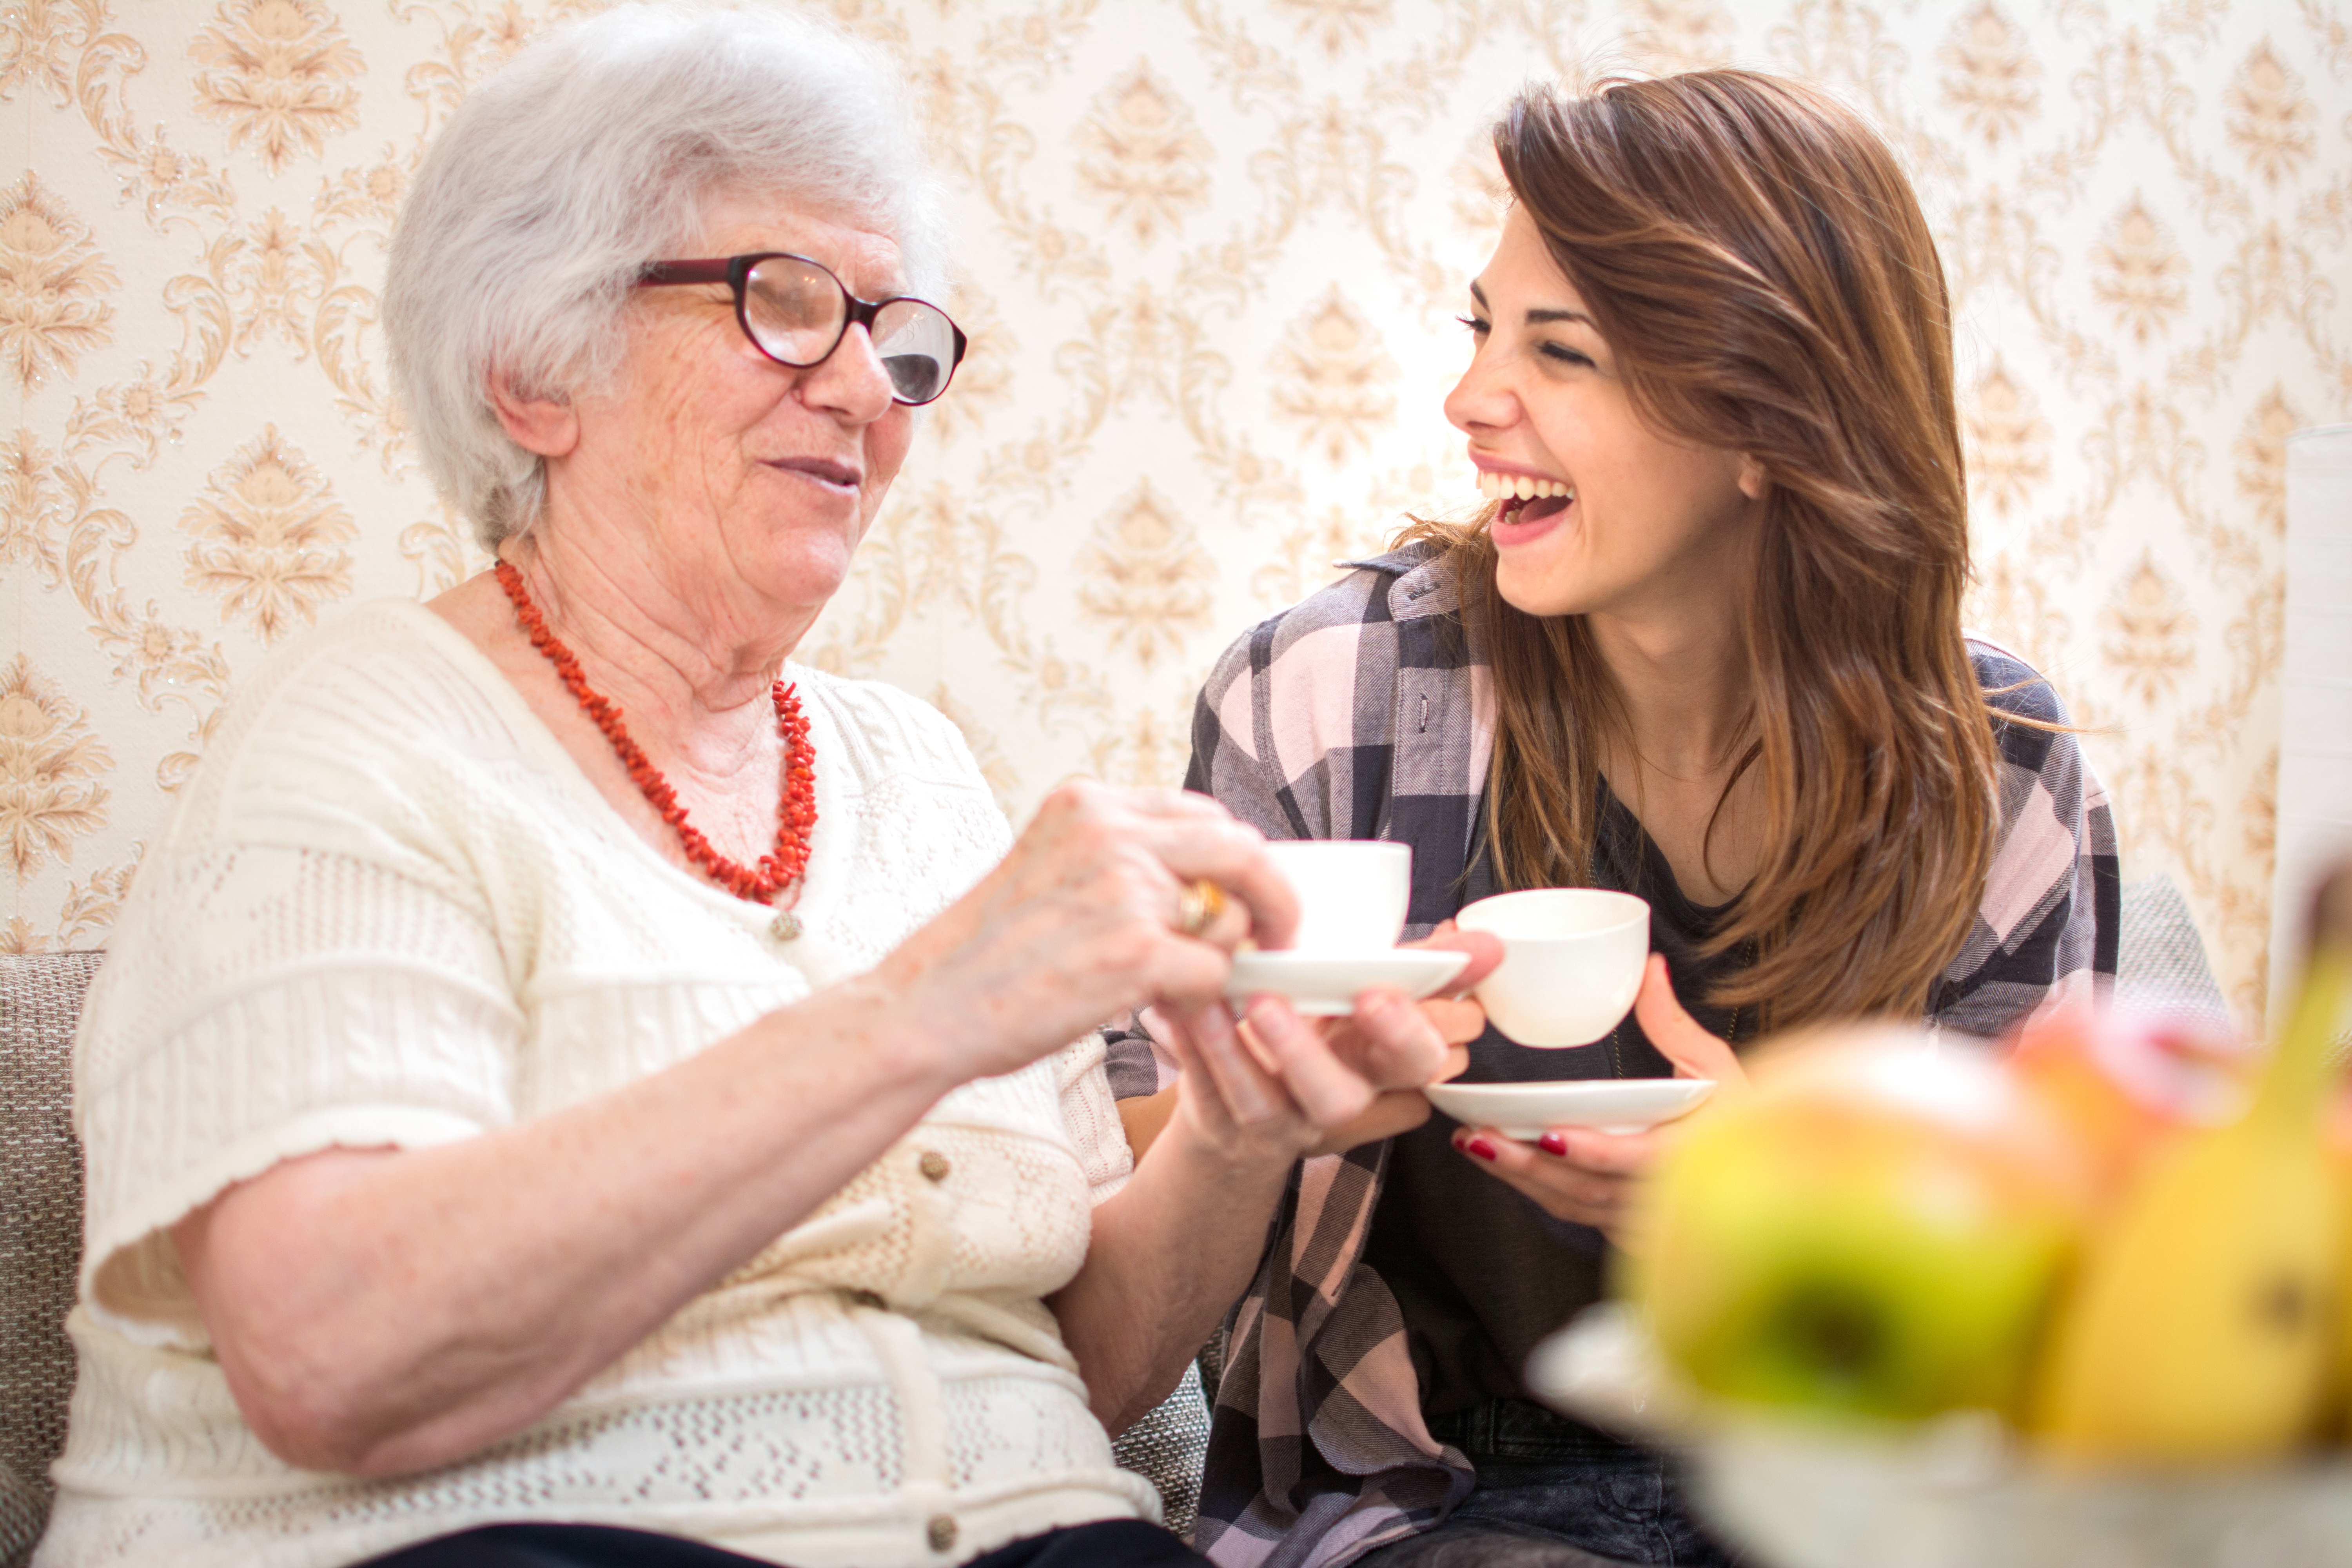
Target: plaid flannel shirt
x,y
1361,713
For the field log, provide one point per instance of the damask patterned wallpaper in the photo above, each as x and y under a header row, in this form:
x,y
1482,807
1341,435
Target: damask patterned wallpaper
x,y
1210,255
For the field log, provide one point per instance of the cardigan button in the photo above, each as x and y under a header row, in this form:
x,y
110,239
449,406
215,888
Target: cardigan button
x,y
941,1532
933,1164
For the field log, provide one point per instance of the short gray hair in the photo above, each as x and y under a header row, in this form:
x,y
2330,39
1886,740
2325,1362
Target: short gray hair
x,y
598,148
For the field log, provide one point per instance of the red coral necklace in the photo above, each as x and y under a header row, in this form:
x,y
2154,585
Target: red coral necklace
x,y
795,813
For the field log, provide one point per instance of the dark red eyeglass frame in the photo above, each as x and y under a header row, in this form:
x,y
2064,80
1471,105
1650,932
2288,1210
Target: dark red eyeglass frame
x,y
735,271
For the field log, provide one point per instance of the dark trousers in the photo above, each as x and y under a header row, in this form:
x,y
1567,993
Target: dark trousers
x,y
1109,1543
1552,1493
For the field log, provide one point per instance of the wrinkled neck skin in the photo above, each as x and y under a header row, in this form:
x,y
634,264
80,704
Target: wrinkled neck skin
x,y
690,664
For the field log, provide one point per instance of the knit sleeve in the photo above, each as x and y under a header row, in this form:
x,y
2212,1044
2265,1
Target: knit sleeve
x,y
2048,925
306,961
1091,1115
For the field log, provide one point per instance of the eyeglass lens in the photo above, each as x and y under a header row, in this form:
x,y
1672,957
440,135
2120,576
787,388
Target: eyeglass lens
x,y
795,310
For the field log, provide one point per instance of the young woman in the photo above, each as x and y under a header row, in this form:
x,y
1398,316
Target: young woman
x,y
1703,645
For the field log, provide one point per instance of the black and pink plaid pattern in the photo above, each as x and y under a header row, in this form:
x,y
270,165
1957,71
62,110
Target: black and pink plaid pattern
x,y
1360,714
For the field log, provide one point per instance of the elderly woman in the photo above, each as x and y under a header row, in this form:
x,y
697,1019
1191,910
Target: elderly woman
x,y
573,1087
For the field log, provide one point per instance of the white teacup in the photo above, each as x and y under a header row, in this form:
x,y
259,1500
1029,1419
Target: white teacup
x,y
1352,892
1571,963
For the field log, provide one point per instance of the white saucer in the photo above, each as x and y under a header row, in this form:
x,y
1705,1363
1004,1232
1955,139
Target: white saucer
x,y
1527,1111
1326,984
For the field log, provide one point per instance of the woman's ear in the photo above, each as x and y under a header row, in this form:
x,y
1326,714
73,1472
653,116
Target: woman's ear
x,y
1752,482
539,424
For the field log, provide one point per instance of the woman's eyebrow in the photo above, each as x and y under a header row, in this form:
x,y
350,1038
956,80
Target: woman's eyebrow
x,y
1534,318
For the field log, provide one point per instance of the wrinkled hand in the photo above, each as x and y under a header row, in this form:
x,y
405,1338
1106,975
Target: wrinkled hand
x,y
1275,1086
1586,1176
1078,923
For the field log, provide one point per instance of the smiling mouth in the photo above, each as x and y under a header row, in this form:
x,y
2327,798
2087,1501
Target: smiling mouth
x,y
831,473
1520,487
1525,498
1535,510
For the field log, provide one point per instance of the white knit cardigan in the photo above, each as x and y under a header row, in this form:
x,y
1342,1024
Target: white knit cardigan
x,y
391,910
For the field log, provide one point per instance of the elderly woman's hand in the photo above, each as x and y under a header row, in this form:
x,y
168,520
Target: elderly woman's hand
x,y
1280,1085
1173,1250
1586,1176
1079,923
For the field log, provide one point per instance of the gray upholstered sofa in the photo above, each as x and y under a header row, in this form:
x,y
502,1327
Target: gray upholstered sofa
x,y
40,1212
40,1231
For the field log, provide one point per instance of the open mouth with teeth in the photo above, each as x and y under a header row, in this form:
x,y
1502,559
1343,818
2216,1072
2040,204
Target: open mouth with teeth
x,y
1524,496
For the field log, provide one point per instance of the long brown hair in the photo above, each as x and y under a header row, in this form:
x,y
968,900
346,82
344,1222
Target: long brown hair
x,y
1763,273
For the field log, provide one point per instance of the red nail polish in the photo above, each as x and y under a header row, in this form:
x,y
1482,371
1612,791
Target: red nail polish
x,y
1480,1147
1552,1143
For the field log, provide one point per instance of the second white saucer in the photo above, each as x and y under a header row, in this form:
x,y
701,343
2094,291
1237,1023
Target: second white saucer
x,y
1527,1111
1325,984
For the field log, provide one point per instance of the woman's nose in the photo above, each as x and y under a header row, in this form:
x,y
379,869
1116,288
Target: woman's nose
x,y
852,381
1482,399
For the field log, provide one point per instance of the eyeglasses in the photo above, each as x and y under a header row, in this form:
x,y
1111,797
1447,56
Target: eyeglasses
x,y
796,313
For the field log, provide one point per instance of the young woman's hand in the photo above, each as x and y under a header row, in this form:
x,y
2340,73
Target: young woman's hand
x,y
1173,1248
1585,1176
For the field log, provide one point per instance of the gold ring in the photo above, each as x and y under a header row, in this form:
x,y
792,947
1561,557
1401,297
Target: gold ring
x,y
1201,903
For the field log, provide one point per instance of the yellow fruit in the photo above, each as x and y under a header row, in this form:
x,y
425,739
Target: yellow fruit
x,y
2341,1154
2201,1328
2203,1325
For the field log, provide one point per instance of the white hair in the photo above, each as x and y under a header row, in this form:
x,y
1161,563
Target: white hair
x,y
598,148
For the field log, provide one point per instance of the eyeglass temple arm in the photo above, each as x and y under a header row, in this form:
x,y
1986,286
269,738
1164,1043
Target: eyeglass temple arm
x,y
659,272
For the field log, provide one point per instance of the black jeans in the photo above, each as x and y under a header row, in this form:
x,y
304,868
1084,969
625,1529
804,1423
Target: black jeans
x,y
1108,1543
1553,1493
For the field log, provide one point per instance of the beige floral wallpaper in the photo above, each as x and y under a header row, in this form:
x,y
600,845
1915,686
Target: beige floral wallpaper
x,y
1211,252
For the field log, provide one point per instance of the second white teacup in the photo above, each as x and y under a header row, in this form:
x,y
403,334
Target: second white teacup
x,y
1571,963
1352,892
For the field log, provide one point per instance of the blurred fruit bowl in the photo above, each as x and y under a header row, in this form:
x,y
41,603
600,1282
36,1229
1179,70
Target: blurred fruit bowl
x,y
1952,1491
